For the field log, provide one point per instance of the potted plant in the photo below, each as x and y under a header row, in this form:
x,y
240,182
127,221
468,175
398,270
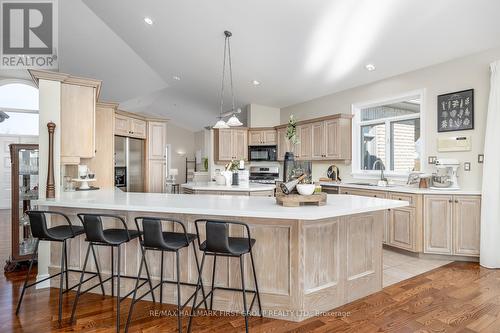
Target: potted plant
x,y
291,138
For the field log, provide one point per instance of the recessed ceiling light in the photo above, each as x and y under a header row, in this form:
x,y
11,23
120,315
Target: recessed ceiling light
x,y
176,78
370,67
148,20
255,82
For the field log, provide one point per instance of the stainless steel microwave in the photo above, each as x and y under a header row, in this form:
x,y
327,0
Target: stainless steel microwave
x,y
262,153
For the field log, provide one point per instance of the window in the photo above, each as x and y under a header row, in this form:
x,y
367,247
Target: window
x,y
388,135
18,109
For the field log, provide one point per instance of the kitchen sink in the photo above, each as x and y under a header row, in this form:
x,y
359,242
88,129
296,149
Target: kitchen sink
x,y
371,184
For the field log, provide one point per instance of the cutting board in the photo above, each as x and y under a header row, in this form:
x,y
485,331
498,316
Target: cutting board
x,y
296,200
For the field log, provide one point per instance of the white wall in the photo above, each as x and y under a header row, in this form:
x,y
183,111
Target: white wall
x,y
182,145
262,116
460,74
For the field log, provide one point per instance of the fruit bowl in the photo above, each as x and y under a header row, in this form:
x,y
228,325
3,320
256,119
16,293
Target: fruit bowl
x,y
306,189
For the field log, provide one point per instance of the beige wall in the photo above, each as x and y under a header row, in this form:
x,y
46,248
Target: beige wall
x,y
464,73
182,145
262,116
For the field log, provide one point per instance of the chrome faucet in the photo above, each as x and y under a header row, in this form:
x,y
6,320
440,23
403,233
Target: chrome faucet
x,y
382,168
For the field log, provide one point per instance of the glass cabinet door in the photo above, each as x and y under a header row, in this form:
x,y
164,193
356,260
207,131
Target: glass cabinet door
x,y
24,189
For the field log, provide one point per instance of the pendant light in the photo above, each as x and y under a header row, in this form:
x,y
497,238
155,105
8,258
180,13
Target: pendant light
x,y
233,121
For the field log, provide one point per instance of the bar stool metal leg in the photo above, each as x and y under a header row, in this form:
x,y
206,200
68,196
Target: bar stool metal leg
x,y
97,269
161,278
61,279
35,251
179,313
256,283
134,295
80,285
198,268
147,273
118,290
213,283
200,282
112,271
66,266
242,268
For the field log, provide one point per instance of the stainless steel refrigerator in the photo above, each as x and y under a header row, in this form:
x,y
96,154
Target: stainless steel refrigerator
x,y
129,164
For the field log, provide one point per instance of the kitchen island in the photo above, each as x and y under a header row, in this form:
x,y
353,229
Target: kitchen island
x,y
251,189
308,259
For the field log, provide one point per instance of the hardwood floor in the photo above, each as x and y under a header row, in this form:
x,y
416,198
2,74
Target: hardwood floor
x,y
458,297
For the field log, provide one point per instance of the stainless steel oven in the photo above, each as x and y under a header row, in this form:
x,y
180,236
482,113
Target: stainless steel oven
x,y
262,153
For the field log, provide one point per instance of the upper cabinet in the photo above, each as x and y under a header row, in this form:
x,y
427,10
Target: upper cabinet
x,y
157,140
262,137
230,144
130,126
78,114
326,138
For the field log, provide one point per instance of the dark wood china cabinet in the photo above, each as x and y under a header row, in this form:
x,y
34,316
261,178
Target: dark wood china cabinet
x,y
24,189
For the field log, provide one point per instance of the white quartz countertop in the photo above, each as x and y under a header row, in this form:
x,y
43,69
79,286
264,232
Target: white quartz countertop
x,y
219,205
212,186
403,189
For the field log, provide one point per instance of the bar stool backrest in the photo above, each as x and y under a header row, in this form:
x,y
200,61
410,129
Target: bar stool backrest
x,y
217,236
38,224
152,230
94,230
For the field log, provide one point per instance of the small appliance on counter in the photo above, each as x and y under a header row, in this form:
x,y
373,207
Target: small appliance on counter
x,y
445,177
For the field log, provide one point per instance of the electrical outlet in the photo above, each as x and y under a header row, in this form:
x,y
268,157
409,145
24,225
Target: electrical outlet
x,y
431,159
467,166
480,158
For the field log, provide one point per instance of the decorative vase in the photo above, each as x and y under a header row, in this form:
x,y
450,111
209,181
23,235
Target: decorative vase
x,y
228,175
236,179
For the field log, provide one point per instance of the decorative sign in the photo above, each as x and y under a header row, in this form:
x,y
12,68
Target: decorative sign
x,y
456,111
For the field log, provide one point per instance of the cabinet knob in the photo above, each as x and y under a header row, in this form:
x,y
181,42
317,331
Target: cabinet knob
x,y
450,201
456,201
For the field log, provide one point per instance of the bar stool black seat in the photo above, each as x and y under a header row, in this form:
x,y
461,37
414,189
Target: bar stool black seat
x,y
218,243
156,239
60,233
96,235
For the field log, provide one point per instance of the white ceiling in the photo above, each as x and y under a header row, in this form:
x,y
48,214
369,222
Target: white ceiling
x,y
297,49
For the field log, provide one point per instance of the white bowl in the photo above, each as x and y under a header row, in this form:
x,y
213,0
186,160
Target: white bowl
x,y
306,189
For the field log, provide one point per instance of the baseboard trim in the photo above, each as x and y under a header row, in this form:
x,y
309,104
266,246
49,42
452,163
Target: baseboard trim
x,y
44,284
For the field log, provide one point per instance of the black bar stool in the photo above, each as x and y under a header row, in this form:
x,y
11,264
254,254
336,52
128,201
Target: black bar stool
x,y
114,238
218,243
60,233
156,239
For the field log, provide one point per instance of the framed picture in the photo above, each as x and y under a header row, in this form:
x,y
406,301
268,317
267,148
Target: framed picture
x,y
455,111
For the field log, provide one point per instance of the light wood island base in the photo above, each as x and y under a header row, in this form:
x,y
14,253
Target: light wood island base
x,y
304,267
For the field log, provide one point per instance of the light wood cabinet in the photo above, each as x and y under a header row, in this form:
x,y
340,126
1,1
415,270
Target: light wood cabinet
x,y
157,140
321,139
230,144
466,225
318,141
156,176
304,147
452,224
262,137
282,144
402,228
103,164
130,126
77,127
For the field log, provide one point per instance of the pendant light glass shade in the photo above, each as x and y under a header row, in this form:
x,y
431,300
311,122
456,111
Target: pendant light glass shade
x,y
234,121
221,124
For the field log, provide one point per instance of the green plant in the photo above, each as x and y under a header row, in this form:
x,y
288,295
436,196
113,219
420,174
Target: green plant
x,y
291,131
233,165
